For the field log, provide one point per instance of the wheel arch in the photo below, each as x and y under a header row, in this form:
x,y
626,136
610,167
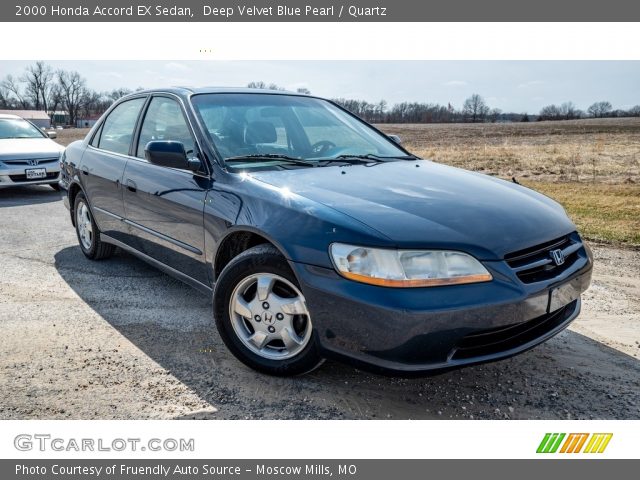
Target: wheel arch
x,y
73,191
237,241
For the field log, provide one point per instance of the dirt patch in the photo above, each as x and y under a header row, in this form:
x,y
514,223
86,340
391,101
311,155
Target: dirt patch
x,y
69,135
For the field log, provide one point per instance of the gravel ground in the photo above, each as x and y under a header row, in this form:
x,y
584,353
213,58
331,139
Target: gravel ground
x,y
120,340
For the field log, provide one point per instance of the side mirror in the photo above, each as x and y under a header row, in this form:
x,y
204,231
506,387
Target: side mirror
x,y
170,154
395,138
52,134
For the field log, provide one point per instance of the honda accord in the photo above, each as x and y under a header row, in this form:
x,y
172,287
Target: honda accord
x,y
27,155
318,236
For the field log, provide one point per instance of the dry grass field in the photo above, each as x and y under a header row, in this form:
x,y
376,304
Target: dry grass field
x,y
595,150
65,137
590,166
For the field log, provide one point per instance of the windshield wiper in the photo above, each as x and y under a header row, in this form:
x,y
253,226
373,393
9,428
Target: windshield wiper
x,y
270,156
348,158
366,158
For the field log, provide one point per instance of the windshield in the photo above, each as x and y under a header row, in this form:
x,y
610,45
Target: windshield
x,y
18,128
253,130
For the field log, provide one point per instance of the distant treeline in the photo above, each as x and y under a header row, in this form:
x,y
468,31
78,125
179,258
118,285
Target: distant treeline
x,y
40,87
474,110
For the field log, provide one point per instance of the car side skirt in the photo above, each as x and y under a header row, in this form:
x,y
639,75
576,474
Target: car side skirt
x,y
159,265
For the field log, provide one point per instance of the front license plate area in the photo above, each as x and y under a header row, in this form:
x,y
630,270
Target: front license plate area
x,y
563,295
35,173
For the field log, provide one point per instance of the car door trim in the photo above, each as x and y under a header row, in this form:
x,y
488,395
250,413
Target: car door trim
x,y
164,237
206,289
150,231
107,212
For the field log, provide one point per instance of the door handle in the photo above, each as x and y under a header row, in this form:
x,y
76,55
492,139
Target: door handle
x,y
131,185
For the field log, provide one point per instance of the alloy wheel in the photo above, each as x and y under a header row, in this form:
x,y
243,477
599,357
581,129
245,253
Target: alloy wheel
x,y
85,227
270,316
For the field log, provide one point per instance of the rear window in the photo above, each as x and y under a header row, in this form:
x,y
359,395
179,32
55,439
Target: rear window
x,y
117,130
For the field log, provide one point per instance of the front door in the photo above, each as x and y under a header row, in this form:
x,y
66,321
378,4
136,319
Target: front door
x,y
164,207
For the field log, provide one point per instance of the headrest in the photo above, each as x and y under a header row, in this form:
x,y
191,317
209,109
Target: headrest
x,y
260,132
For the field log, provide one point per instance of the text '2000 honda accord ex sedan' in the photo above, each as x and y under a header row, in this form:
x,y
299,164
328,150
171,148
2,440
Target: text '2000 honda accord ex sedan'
x,y
319,236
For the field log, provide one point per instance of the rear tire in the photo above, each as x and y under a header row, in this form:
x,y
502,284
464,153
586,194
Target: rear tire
x,y
88,232
261,314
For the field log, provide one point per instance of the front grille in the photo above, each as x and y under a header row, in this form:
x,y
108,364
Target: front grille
x,y
26,163
502,339
536,264
23,177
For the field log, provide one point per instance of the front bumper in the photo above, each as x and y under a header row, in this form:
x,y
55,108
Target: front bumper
x,y
15,176
422,330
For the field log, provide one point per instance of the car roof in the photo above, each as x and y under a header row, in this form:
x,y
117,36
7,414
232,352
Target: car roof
x,y
188,91
8,116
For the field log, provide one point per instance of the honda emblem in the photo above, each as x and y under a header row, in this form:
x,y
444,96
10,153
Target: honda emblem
x,y
557,256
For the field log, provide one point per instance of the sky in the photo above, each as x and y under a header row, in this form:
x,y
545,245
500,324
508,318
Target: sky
x,y
512,86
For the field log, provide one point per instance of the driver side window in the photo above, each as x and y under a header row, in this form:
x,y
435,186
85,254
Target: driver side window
x,y
164,120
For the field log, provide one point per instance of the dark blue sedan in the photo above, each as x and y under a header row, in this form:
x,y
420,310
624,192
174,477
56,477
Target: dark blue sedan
x,y
319,236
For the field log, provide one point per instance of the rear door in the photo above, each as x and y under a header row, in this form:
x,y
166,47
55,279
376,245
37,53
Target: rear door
x,y
103,165
165,206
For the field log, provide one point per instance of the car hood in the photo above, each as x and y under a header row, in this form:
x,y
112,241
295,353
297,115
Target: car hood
x,y
422,204
18,148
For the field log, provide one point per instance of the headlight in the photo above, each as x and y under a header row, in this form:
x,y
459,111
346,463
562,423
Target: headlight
x,y
407,268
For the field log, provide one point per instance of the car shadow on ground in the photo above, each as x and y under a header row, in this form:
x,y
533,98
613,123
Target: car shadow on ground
x,y
569,377
28,195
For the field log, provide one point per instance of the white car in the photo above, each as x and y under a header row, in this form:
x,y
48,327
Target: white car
x,y
27,155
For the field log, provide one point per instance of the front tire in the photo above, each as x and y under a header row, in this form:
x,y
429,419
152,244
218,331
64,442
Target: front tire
x,y
88,232
262,316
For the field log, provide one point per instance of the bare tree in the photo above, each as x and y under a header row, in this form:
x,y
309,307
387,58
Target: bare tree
x,y
381,109
55,99
73,91
261,85
91,102
475,108
569,111
550,112
6,101
634,111
11,86
118,93
494,115
264,86
38,80
600,109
